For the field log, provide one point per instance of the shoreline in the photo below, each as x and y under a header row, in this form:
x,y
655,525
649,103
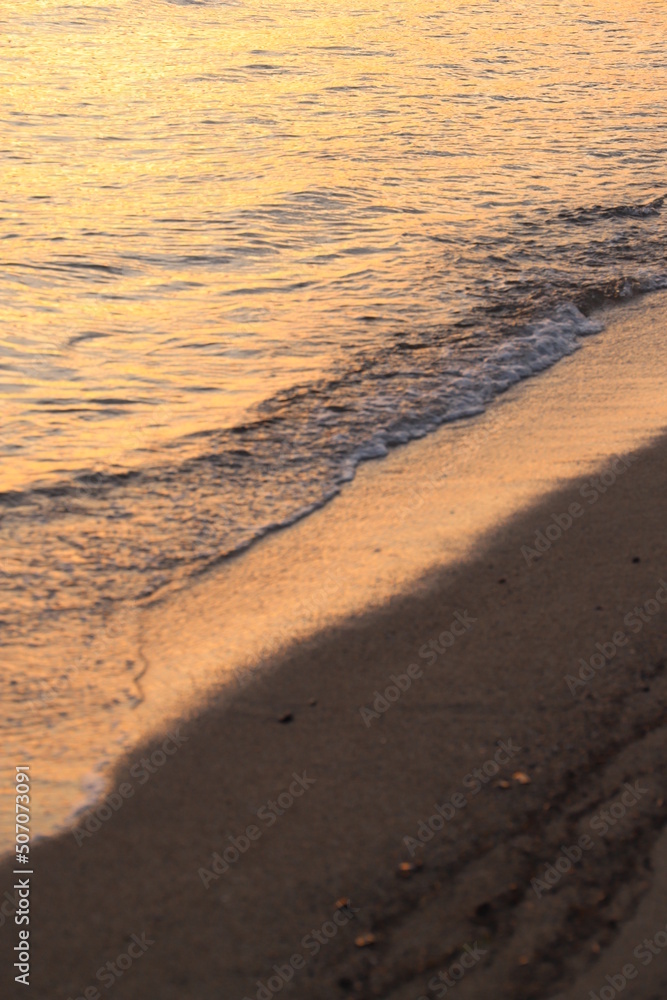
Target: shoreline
x,y
381,535
487,634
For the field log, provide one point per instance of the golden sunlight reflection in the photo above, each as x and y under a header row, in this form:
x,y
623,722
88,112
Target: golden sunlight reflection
x,y
203,202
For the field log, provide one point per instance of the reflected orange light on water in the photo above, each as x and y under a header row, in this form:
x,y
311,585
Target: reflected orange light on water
x,y
165,249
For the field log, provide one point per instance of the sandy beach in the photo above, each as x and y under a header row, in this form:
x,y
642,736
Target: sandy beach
x,y
333,478
462,786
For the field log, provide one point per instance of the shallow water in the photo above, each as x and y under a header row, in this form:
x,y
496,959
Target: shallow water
x,y
245,245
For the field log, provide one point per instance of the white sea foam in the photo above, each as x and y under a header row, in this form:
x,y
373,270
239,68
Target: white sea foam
x,y
538,346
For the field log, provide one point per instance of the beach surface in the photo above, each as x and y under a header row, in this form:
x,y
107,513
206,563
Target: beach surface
x,y
461,774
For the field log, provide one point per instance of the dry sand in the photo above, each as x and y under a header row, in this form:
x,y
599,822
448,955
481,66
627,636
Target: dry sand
x,y
375,779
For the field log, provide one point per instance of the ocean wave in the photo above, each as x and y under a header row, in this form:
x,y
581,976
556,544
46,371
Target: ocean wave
x,y
130,535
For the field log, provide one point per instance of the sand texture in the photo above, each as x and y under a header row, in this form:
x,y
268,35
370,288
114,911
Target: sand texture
x,y
377,776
